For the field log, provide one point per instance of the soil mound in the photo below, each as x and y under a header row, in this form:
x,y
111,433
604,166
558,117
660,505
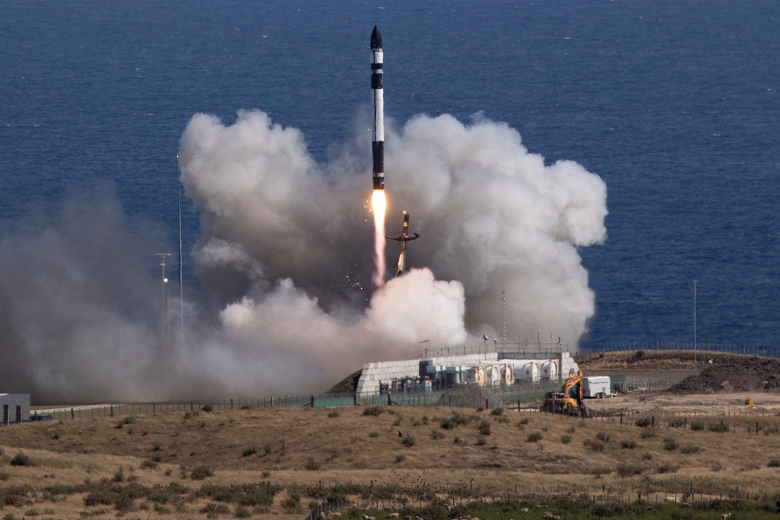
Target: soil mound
x,y
470,396
740,375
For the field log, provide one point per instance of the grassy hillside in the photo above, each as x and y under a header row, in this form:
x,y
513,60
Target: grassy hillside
x,y
406,447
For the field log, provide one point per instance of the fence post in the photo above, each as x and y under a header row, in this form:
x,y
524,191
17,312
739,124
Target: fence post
x,y
231,404
72,414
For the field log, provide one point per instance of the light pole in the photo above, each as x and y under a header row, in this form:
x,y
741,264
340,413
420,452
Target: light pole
x,y
164,305
694,323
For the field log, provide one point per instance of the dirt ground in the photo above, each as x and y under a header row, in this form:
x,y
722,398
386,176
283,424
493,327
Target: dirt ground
x,y
710,403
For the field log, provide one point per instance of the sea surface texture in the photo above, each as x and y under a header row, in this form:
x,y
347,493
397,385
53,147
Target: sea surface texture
x,y
674,103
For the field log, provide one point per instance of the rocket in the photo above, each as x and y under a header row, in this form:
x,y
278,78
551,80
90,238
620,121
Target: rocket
x,y
404,237
377,94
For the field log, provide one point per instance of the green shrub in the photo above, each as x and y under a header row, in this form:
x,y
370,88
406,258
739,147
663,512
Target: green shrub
x,y
773,463
626,469
20,459
601,471
157,458
648,434
436,435
565,439
251,450
697,426
374,410
688,450
201,472
628,445
670,444
593,444
677,423
533,437
719,427
373,435
334,413
291,504
156,447
400,458
647,456
667,468
497,411
312,465
481,441
524,421
602,436
484,427
409,441
242,512
207,408
644,422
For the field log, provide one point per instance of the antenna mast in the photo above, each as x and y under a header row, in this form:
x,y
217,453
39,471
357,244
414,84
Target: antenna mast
x,y
164,305
181,276
503,316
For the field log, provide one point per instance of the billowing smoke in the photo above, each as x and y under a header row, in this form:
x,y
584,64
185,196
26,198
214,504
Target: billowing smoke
x,y
285,261
492,216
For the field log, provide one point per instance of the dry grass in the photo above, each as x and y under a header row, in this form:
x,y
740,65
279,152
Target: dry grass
x,y
305,445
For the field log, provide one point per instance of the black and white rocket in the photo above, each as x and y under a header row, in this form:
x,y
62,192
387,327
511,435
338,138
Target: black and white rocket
x,y
377,94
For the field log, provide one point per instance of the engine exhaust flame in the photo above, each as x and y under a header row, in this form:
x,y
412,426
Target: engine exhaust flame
x,y
378,206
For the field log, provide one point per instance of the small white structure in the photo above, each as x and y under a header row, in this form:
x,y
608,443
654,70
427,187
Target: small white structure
x,y
16,408
549,369
527,371
595,386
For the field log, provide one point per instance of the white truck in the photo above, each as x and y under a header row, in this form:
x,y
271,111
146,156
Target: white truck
x,y
596,387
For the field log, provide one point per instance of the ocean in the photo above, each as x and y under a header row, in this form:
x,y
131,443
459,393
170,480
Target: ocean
x,y
674,104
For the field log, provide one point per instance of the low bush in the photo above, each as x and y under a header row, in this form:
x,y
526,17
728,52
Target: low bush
x,y
773,463
602,436
647,456
251,450
333,414
667,468
207,408
689,450
625,470
593,444
201,473
242,512
601,471
291,504
533,437
400,458
312,465
484,427
644,422
481,441
670,444
719,427
436,435
373,435
648,434
20,459
628,445
717,466
374,410
565,439
497,411
524,421
697,426
409,441
677,423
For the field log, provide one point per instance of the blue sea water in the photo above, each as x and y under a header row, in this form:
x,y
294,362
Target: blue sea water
x,y
674,103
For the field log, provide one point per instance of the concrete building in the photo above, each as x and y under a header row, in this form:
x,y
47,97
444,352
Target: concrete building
x,y
16,408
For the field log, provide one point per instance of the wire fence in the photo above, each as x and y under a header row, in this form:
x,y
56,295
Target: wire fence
x,y
700,347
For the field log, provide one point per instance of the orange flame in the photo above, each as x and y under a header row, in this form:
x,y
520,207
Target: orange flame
x,y
378,205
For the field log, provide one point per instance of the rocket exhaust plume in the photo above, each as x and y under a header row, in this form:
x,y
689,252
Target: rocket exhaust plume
x,y
378,155
378,206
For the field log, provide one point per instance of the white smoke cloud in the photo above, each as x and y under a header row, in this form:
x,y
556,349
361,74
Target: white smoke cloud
x,y
492,216
286,251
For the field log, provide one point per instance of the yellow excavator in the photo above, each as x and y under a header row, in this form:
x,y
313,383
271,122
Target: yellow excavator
x,y
569,400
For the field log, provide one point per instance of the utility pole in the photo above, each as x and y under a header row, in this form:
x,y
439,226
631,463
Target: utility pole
x,y
181,275
164,305
694,324
503,318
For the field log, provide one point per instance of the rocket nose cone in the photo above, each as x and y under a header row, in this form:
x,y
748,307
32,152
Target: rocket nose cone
x,y
376,38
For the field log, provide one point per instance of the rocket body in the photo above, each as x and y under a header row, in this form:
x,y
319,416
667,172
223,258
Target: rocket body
x,y
377,94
